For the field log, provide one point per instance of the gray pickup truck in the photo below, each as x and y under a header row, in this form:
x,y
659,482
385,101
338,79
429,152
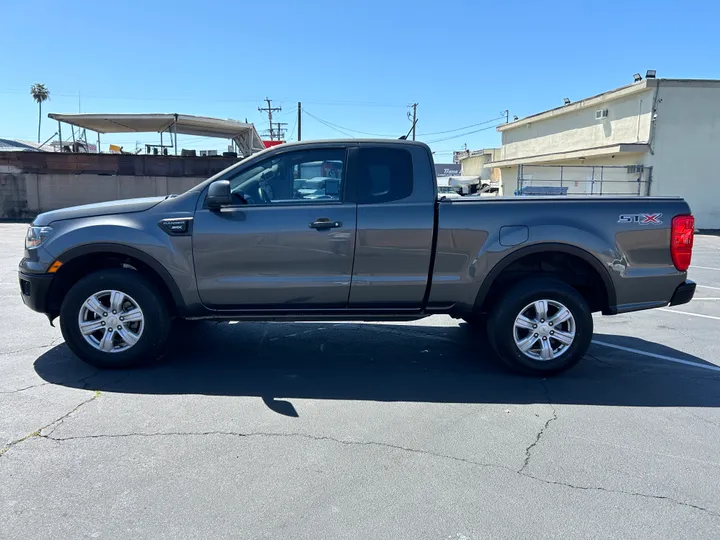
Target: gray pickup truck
x,y
372,241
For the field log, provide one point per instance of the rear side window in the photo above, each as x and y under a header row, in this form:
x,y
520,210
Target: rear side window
x,y
383,174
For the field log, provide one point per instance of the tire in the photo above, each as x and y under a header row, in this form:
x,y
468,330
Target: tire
x,y
146,334
564,352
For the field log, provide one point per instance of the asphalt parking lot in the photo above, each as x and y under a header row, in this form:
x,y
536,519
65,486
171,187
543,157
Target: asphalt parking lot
x,y
323,430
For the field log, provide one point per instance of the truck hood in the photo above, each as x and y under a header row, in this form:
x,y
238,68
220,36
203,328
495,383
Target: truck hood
x,y
98,209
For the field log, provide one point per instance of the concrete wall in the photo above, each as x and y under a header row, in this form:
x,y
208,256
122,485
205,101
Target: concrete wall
x,y
686,145
13,195
35,182
473,165
51,191
508,181
628,121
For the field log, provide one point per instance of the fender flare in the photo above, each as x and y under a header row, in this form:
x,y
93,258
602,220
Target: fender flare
x,y
556,247
109,247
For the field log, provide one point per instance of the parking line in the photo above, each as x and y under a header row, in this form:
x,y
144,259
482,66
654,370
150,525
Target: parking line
x,y
658,356
688,313
705,267
707,287
714,298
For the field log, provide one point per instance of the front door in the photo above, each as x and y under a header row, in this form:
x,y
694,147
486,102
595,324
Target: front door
x,y
288,240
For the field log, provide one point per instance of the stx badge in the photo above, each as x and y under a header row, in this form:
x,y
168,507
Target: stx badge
x,y
642,219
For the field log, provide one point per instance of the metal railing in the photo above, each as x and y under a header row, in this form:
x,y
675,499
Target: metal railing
x,y
584,180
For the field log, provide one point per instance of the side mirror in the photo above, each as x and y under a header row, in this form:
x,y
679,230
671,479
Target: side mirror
x,y
219,194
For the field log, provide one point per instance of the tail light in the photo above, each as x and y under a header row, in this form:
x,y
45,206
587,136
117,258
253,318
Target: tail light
x,y
681,241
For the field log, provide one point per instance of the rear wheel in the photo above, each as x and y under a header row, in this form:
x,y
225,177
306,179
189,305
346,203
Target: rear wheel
x,y
541,327
115,318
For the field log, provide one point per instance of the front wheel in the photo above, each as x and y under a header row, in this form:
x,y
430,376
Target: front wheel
x,y
115,318
541,327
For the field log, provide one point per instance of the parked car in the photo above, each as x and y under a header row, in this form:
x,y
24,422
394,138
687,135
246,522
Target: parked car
x,y
320,188
241,246
447,192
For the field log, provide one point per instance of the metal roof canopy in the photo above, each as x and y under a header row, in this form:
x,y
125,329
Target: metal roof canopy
x,y
245,135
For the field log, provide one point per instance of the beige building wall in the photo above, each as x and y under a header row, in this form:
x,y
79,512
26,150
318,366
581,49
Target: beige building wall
x,y
686,146
628,121
684,140
474,165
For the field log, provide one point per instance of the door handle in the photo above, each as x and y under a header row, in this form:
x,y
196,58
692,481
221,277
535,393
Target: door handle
x,y
325,223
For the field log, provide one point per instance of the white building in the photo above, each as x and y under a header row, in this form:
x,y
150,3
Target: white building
x,y
653,137
473,162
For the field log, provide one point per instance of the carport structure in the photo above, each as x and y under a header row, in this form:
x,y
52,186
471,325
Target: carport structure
x,y
243,135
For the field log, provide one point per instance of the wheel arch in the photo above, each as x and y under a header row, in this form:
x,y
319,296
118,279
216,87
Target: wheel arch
x,y
101,255
549,249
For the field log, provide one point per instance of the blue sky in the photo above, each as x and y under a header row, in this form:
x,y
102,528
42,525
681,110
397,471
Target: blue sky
x,y
354,64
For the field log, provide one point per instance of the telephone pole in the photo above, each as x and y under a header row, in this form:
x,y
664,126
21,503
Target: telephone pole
x,y
270,110
414,118
299,122
280,130
276,131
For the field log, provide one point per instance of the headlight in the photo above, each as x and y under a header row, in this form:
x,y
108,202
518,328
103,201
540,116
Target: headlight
x,y
36,236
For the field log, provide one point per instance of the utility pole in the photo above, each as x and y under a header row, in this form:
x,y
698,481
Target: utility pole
x,y
280,130
299,121
270,110
507,115
277,131
414,106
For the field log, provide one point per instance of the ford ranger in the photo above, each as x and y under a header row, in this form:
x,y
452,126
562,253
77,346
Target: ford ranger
x,y
375,242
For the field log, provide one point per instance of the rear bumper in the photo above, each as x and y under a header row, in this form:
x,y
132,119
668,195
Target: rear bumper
x,y
34,291
683,294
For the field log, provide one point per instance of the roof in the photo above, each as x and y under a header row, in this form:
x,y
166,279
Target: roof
x,y
13,145
606,96
464,154
243,133
577,105
572,154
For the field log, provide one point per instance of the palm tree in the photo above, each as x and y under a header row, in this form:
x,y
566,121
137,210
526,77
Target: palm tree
x,y
39,93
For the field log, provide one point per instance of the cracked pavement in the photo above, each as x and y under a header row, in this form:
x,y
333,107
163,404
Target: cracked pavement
x,y
324,430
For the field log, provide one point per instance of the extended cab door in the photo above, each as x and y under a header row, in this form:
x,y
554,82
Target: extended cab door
x,y
395,191
287,241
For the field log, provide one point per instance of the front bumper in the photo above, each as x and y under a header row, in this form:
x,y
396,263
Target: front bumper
x,y
683,294
34,290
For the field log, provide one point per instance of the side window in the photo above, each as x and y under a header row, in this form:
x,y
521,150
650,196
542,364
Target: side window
x,y
300,177
383,174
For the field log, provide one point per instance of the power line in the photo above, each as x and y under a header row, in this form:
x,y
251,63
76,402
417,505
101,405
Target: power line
x,y
353,103
461,135
292,131
464,127
350,129
289,112
327,124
